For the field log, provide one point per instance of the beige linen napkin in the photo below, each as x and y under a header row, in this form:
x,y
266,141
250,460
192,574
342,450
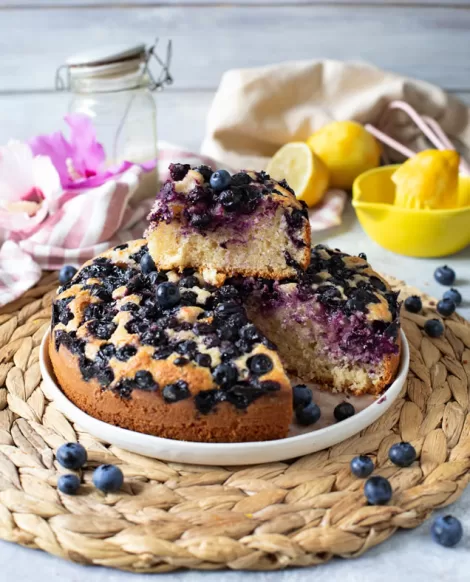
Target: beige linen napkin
x,y
256,111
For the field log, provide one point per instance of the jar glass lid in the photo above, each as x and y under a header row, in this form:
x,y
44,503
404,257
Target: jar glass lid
x,y
106,55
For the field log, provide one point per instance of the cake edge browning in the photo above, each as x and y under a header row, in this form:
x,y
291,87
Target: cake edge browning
x,y
267,418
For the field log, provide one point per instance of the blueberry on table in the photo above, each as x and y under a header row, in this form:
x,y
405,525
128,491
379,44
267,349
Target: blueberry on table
x,y
444,275
168,295
220,180
146,264
307,415
302,395
362,466
446,307
402,454
453,295
447,531
344,411
413,304
68,484
434,327
377,490
108,478
66,274
71,455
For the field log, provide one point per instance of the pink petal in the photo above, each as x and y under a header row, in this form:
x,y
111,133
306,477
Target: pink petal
x,y
57,148
87,154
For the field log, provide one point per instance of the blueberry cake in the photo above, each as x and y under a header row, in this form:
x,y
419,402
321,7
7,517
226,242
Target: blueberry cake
x,y
166,353
224,225
337,323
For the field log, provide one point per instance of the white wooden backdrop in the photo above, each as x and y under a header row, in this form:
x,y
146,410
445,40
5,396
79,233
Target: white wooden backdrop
x,y
428,39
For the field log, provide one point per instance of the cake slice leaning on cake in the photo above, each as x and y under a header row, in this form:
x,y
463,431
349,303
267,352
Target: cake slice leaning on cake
x,y
245,224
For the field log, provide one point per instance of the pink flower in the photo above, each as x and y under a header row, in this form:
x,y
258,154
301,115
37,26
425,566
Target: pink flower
x,y
76,160
29,186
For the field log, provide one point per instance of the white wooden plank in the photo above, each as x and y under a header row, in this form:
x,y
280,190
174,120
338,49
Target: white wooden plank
x,y
429,43
181,116
90,3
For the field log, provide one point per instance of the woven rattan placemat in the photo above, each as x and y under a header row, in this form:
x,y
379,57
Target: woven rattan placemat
x,y
263,517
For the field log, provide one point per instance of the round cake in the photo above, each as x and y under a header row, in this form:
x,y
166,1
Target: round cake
x,y
165,353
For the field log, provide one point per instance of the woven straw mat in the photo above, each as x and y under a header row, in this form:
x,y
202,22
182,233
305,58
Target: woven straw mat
x,y
265,517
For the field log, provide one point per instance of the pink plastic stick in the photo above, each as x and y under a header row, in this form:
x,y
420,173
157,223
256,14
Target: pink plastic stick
x,y
386,139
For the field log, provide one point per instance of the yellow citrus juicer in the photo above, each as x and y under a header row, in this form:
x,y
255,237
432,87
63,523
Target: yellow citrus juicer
x,y
412,231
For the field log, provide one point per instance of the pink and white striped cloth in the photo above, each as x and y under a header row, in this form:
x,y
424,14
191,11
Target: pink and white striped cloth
x,y
88,222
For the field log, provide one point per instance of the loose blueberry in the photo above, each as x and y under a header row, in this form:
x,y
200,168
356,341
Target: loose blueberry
x,y
363,256
446,307
225,375
362,466
147,265
344,411
378,490
302,395
447,531
308,415
220,180
168,295
444,275
402,454
66,274
108,478
434,327
413,304
453,295
260,364
68,484
71,455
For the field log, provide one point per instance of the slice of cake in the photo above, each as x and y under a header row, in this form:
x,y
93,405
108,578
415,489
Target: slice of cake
x,y
221,224
336,324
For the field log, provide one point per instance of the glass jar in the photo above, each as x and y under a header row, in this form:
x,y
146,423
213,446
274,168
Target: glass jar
x,y
113,86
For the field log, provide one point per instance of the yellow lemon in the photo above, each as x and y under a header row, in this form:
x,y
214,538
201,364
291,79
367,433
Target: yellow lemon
x,y
303,170
347,149
428,180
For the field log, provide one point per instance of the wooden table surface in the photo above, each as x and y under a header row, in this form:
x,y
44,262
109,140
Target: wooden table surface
x,y
427,39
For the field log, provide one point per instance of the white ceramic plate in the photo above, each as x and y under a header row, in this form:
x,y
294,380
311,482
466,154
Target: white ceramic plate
x,y
299,442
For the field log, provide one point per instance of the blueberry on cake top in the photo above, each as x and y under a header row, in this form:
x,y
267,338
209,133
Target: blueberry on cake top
x,y
242,224
165,353
337,323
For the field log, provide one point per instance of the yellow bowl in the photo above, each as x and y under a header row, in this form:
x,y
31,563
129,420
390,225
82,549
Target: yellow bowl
x,y
415,233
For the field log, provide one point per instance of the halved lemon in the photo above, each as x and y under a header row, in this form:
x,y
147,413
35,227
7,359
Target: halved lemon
x,y
305,173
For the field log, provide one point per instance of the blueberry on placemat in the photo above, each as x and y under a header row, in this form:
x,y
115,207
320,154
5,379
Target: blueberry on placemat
x,y
446,307
220,180
434,327
302,395
66,274
444,275
362,466
71,455
447,531
453,295
413,304
377,490
168,295
68,484
108,478
308,415
402,454
344,411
